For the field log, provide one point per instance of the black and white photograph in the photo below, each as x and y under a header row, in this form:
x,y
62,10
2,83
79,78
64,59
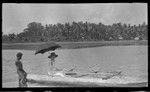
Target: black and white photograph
x,y
74,45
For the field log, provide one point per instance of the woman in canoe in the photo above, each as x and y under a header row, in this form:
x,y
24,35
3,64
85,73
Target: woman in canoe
x,y
52,57
21,73
52,69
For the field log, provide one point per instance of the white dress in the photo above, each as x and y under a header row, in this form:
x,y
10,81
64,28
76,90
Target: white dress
x,y
51,68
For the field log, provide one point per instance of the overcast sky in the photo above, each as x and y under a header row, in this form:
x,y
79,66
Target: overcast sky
x,y
15,17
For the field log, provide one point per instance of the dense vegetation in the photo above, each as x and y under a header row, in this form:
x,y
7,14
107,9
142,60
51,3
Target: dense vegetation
x,y
36,32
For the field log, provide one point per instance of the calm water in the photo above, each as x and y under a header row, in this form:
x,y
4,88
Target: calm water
x,y
131,60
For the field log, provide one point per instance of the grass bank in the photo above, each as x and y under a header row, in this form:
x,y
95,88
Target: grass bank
x,y
73,45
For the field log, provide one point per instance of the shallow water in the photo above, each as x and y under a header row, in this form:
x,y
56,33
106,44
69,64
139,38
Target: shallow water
x,y
131,60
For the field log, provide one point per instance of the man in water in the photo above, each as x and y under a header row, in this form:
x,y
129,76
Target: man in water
x,y
21,73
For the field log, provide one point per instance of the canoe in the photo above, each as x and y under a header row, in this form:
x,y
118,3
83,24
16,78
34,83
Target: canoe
x,y
85,81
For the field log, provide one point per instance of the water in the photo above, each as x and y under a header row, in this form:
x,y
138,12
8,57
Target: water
x,y
131,60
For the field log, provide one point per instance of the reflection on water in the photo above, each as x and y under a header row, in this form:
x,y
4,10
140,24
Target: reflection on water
x,y
131,60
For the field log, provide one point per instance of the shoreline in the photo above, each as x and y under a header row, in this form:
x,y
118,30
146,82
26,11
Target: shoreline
x,y
74,45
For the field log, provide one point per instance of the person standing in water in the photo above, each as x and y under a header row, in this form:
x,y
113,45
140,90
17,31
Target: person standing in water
x,y
52,57
21,73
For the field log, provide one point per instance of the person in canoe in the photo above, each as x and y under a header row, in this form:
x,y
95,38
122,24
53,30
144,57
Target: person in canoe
x,y
52,57
20,71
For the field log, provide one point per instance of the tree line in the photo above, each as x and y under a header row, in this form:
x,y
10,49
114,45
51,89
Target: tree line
x,y
78,31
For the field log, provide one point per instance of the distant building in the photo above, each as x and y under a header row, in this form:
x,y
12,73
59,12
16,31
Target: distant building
x,y
82,38
120,38
110,38
136,38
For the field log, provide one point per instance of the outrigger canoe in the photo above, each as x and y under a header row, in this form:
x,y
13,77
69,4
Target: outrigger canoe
x,y
68,81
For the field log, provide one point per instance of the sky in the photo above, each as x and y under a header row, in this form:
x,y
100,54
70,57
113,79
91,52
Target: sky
x,y
16,17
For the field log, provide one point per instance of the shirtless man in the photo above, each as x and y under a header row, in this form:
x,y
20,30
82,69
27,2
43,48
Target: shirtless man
x,y
21,73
